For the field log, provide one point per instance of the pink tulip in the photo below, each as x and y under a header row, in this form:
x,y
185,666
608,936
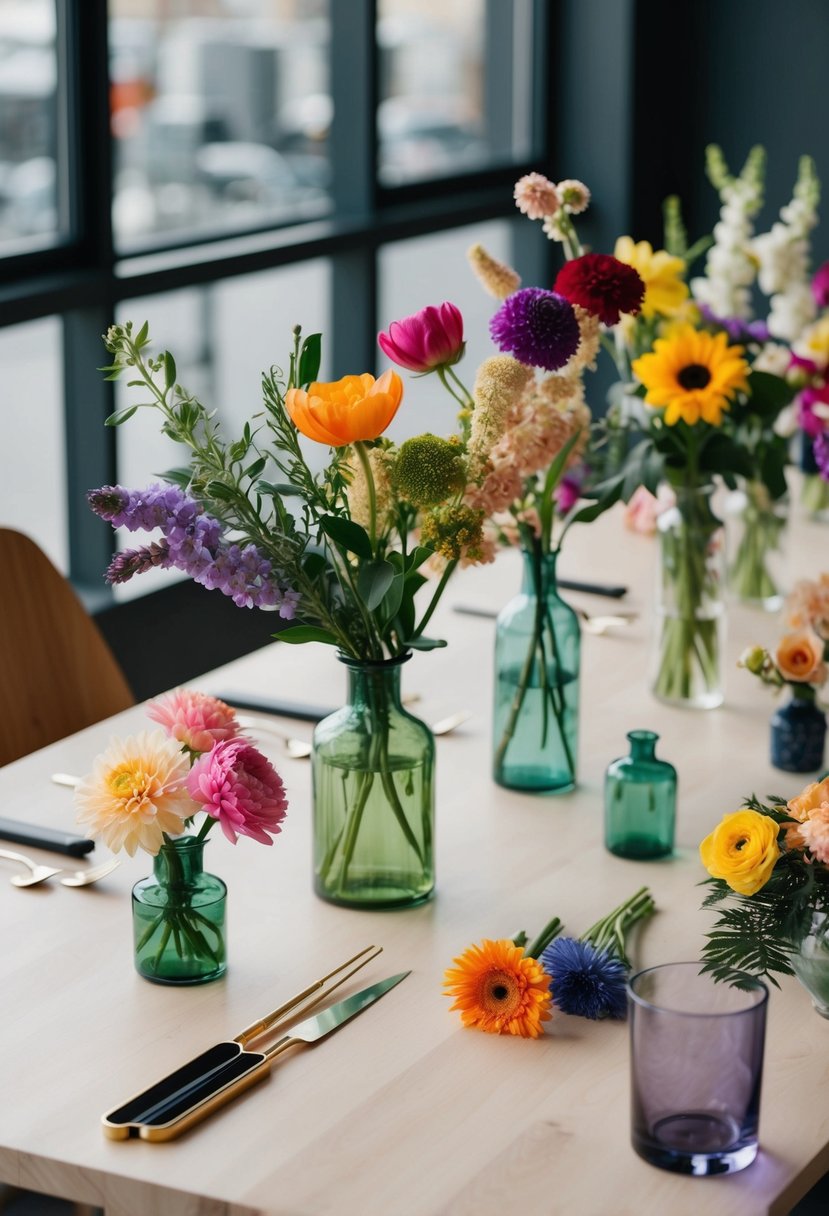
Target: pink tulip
x,y
430,339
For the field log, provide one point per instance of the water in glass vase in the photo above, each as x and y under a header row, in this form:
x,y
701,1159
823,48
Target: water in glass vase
x,y
536,712
373,796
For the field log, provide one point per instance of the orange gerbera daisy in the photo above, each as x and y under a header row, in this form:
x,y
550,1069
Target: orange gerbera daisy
x,y
500,991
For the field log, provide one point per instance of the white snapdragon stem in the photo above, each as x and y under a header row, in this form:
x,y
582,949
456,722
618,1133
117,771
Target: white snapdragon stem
x,y
783,256
730,268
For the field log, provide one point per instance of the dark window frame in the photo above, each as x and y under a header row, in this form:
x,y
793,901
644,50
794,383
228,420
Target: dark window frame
x,y
83,278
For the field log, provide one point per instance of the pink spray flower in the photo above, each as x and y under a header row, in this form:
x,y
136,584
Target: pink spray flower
x,y
194,718
238,786
820,285
568,491
430,339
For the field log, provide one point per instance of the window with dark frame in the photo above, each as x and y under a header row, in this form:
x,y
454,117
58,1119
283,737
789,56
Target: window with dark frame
x,y
194,159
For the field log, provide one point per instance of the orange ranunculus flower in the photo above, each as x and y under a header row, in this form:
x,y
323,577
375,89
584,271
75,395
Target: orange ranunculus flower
x,y
345,411
799,657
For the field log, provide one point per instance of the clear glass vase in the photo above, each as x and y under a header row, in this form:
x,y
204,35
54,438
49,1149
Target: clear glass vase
x,y
178,916
536,712
690,616
640,801
756,535
372,770
810,962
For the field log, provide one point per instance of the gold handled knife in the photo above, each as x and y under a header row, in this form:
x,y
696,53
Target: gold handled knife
x,y
192,1092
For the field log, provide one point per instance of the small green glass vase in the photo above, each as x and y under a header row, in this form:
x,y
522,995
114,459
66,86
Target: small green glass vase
x,y
640,801
178,917
536,712
372,769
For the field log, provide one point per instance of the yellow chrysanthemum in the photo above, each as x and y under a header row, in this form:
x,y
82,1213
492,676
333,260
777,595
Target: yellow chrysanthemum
x,y
665,289
692,375
500,991
137,791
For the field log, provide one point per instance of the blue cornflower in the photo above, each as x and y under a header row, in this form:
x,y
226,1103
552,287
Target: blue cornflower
x,y
587,982
538,327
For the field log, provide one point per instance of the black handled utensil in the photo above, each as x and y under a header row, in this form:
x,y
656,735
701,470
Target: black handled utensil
x,y
192,1092
45,838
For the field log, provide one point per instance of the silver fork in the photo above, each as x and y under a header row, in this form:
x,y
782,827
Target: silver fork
x,y
37,873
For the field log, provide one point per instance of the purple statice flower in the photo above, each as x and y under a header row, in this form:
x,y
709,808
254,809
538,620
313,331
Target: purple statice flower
x,y
158,506
820,447
538,327
130,562
737,328
194,545
586,982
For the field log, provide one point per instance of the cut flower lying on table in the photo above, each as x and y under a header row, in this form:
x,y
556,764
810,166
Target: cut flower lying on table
x,y
510,986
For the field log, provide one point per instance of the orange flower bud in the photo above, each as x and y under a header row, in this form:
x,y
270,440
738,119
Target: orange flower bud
x,y
345,411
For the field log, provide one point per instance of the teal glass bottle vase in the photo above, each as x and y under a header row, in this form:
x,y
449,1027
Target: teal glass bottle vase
x,y
178,917
536,710
372,771
640,801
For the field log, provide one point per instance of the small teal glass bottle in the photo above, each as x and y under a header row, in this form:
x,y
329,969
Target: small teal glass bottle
x,y
640,801
536,712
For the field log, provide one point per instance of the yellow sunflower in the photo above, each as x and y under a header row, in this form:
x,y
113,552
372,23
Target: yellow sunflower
x,y
665,289
500,991
692,374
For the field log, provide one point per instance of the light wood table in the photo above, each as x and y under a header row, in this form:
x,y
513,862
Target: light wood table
x,y
404,1113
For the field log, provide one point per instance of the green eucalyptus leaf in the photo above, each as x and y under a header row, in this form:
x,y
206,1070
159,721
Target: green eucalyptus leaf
x,y
297,634
424,643
140,338
169,369
373,581
121,416
393,598
348,535
309,359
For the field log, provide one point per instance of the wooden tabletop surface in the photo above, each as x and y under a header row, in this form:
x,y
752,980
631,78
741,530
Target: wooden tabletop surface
x,y
404,1113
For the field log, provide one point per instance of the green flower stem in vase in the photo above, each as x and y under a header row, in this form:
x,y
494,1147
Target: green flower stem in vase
x,y
755,529
179,917
373,795
535,721
690,617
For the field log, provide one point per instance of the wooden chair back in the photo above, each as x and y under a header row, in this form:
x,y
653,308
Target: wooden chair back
x,y
57,673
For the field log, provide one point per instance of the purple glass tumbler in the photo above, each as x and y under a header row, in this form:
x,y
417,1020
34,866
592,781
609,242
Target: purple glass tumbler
x,y
696,1058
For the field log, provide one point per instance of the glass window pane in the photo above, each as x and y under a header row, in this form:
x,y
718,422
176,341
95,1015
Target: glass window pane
x,y
220,115
32,455
429,270
223,338
29,217
455,86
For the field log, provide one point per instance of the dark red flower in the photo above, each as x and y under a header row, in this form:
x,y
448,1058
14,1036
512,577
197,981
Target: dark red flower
x,y
602,285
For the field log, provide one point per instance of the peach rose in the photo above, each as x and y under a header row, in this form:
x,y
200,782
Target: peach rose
x,y
799,657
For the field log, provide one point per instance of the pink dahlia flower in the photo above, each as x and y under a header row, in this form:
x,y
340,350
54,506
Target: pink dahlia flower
x,y
195,719
429,339
239,787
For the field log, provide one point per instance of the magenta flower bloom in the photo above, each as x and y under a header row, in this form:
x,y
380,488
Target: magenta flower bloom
x,y
237,785
820,285
430,339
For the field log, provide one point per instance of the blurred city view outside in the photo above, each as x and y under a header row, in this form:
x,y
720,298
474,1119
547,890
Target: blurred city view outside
x,y
221,117
222,109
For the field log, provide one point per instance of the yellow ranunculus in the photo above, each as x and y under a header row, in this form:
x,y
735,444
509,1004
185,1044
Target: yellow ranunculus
x,y
742,850
665,289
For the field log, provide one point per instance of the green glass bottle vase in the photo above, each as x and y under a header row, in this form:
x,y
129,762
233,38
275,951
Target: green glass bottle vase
x,y
178,917
372,771
536,711
640,801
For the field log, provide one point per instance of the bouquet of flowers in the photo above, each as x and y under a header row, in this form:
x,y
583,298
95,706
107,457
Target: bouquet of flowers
x,y
146,792
509,986
769,867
